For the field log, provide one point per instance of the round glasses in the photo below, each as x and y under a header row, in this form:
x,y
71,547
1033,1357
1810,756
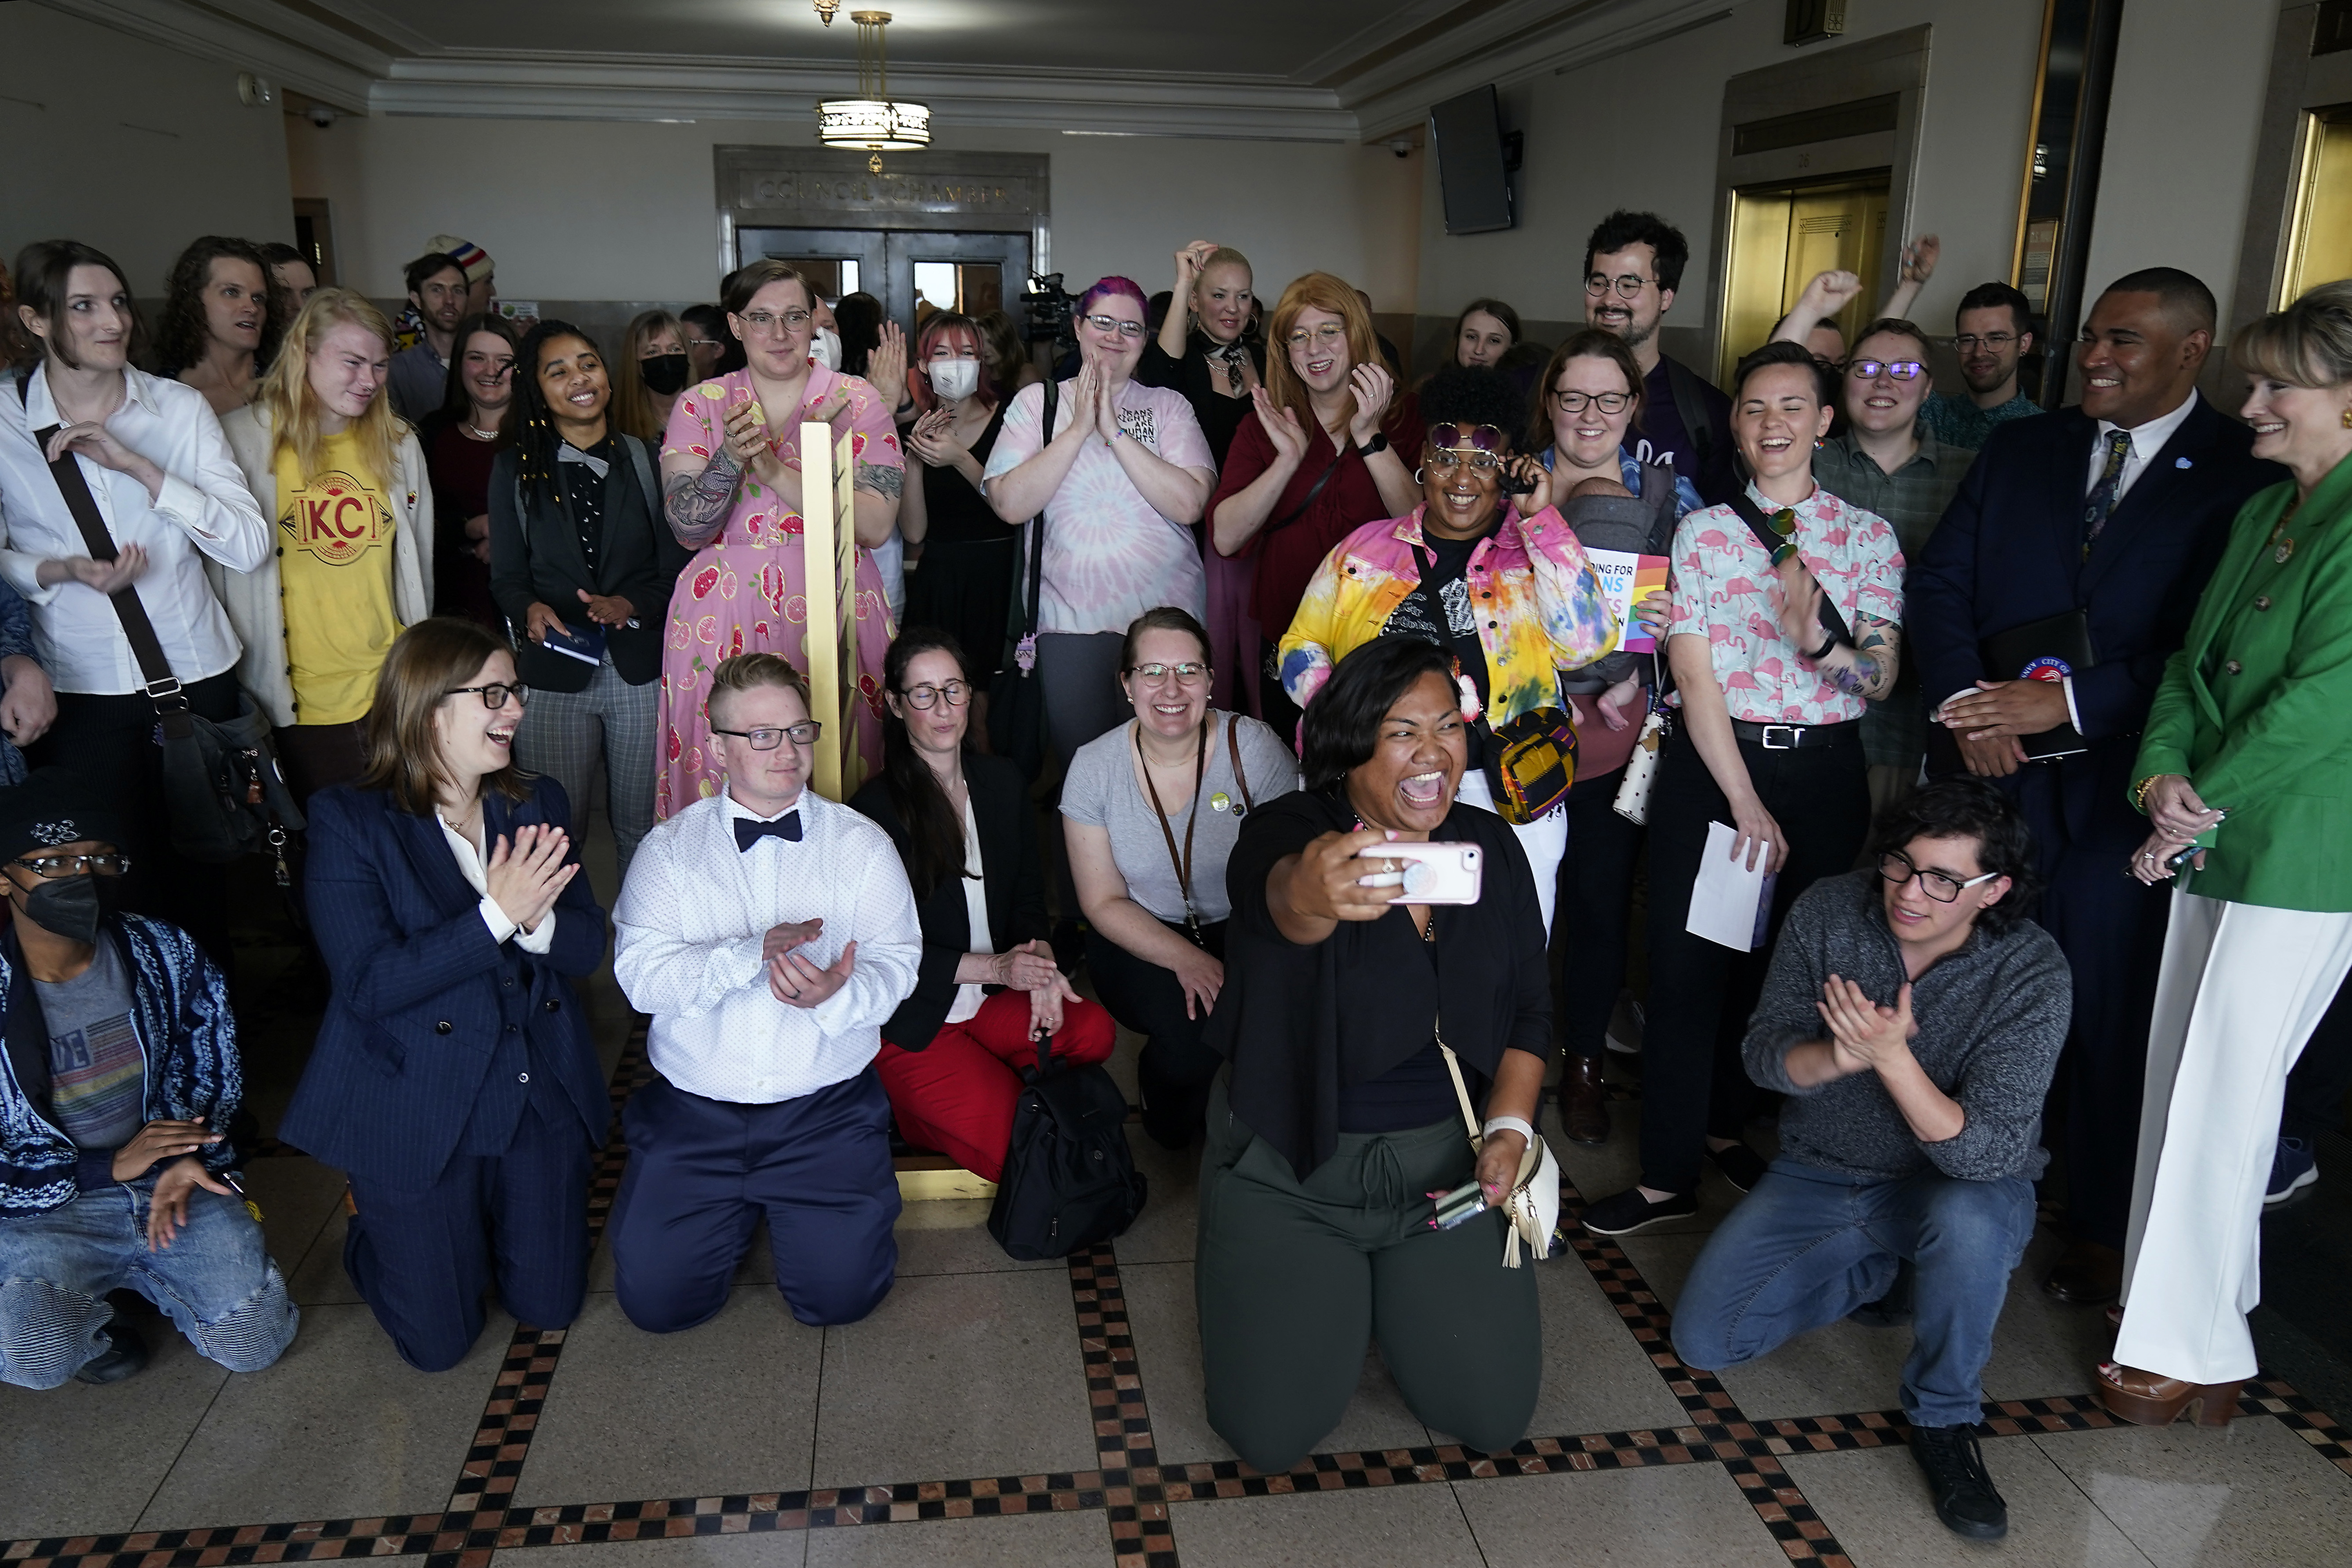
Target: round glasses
x,y
767,739
493,696
1446,460
955,692
1627,287
1897,869
1325,336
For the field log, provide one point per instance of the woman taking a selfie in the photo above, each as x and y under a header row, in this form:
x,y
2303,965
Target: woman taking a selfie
x,y
1338,1114
453,1078
1771,694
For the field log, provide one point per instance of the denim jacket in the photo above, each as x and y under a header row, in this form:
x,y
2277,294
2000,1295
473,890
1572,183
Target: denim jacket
x,y
1541,608
187,1033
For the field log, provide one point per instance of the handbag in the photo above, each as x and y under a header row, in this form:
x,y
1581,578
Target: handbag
x,y
1532,764
1532,1209
1069,1179
1016,700
222,789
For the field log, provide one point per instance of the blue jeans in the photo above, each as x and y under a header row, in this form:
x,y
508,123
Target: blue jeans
x,y
1808,1246
214,1281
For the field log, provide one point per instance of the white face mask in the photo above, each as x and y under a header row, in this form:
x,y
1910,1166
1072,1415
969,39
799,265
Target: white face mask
x,y
954,378
824,348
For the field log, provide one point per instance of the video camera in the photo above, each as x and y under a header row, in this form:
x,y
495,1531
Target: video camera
x,y
1051,313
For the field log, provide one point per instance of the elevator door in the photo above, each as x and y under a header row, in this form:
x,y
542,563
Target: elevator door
x,y
1783,235
2319,249
908,271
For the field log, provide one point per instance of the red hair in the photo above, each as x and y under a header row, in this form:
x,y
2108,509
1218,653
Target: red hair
x,y
941,324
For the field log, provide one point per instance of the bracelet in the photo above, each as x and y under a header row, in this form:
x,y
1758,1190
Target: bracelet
x,y
1508,1124
2139,793
1827,647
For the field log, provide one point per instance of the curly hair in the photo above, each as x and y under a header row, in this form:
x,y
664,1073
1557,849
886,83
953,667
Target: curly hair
x,y
182,330
1473,395
1967,807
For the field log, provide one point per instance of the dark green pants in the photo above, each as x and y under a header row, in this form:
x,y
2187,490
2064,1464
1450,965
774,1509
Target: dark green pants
x,y
1296,1278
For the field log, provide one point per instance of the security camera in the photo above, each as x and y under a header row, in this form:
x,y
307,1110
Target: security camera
x,y
321,116
1401,145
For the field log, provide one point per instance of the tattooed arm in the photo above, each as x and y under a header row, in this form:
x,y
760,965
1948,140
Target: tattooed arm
x,y
697,503
874,509
1868,668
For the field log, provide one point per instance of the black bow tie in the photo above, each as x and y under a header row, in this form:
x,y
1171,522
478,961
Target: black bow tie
x,y
748,833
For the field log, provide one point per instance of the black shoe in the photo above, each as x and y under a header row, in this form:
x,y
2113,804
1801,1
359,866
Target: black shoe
x,y
1965,1498
1627,1212
1741,1166
125,1353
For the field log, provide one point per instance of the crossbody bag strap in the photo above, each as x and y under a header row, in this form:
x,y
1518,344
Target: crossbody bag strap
x,y
1462,1093
1028,648
1295,514
1234,751
1833,621
163,686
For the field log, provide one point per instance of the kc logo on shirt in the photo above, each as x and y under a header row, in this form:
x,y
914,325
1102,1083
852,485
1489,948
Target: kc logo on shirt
x,y
336,519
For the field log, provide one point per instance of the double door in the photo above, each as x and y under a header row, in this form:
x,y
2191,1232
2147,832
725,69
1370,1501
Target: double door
x,y
911,272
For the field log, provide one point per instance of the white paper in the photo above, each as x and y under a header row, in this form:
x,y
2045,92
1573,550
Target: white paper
x,y
1723,900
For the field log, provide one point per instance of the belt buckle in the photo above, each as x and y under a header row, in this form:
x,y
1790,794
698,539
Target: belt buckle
x,y
1796,737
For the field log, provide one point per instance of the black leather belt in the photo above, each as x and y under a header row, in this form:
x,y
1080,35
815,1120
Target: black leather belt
x,y
1789,737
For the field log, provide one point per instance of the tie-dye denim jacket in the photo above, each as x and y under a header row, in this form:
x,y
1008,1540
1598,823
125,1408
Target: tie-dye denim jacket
x,y
1542,609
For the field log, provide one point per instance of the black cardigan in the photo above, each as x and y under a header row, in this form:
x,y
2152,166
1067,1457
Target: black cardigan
x,y
1010,862
536,555
1297,1023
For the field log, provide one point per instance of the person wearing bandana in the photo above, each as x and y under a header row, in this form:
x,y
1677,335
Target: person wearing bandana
x,y
121,1073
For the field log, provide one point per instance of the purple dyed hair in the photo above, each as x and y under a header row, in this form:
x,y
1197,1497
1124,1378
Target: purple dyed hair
x,y
1114,285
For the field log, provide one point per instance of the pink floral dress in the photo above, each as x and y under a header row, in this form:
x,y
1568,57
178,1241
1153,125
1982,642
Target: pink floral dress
x,y
746,591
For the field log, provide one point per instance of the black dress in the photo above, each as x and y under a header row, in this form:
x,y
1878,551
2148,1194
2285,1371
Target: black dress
x,y
1200,382
963,583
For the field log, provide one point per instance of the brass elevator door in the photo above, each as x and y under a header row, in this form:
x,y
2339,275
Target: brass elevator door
x,y
1783,235
2319,244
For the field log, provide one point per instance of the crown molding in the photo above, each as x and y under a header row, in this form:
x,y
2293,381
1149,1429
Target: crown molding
x,y
292,49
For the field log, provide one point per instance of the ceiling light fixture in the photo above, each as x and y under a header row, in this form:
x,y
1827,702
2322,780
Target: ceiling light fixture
x,y
873,121
826,10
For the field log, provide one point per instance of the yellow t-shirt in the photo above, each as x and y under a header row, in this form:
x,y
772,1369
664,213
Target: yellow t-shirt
x,y
334,550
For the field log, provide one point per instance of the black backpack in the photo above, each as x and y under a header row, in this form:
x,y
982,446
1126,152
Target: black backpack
x,y
1069,1178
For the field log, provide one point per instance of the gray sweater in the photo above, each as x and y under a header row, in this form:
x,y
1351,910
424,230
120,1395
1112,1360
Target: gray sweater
x,y
1991,1017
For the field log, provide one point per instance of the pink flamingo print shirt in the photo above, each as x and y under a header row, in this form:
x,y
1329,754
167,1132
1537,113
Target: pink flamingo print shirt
x,y
1724,590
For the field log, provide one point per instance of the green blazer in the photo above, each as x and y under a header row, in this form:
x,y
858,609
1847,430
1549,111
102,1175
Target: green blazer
x,y
2256,709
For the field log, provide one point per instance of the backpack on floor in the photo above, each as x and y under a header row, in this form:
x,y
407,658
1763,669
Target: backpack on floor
x,y
1069,1178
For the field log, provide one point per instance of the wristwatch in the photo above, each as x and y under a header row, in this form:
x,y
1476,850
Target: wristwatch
x,y
1378,443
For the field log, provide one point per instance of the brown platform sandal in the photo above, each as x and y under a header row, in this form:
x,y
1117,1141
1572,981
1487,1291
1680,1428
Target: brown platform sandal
x,y
2145,1399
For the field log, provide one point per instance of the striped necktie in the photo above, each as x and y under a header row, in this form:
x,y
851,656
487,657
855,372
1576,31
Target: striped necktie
x,y
2101,499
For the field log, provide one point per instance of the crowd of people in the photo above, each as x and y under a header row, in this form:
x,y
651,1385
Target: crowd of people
x,y
2023,717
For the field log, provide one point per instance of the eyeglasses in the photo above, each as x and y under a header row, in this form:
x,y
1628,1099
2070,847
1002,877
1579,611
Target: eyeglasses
x,y
1446,460
765,739
55,866
702,343
1897,869
1328,336
1869,369
764,322
1116,327
495,695
1188,674
1578,402
1968,343
500,369
1628,287
957,693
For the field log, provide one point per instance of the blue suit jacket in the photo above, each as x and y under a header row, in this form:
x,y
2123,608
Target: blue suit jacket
x,y
424,1002
2008,552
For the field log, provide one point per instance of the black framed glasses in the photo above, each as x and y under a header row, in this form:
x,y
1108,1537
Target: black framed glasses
x,y
1607,402
955,692
1968,343
493,696
767,739
1627,285
1187,673
1897,867
1868,369
50,867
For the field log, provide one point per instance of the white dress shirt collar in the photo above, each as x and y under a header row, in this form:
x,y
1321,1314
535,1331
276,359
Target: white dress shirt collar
x,y
2146,441
738,812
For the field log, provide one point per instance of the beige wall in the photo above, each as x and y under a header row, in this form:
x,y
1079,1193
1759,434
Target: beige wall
x,y
161,153
582,210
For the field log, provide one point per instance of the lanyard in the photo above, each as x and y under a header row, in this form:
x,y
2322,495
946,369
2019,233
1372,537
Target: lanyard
x,y
1183,866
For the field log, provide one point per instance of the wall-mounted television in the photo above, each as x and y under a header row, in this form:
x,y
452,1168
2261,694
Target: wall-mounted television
x,y
1473,173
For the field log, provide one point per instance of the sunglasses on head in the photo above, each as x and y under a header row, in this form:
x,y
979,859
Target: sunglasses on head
x,y
1473,438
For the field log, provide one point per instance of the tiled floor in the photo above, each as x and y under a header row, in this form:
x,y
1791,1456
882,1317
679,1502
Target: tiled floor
x,y
1041,1415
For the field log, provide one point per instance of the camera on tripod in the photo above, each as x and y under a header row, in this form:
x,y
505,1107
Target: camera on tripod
x,y
1051,313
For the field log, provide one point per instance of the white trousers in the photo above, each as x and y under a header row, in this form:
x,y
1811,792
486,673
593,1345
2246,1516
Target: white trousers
x,y
2241,989
1545,839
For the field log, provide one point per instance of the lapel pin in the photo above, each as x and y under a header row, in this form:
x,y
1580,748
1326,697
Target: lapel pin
x,y
2182,463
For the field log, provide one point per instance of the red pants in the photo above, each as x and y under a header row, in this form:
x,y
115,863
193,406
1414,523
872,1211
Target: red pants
x,y
957,1097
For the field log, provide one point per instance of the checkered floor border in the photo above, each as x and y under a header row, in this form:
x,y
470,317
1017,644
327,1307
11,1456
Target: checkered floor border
x,y
1132,1490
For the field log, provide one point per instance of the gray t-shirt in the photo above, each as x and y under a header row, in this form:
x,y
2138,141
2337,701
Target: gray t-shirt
x,y
98,1074
1100,790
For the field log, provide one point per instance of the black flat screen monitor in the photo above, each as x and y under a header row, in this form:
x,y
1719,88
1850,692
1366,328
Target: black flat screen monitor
x,y
1467,132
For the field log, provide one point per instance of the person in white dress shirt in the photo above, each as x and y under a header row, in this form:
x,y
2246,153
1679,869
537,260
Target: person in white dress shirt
x,y
770,932
169,495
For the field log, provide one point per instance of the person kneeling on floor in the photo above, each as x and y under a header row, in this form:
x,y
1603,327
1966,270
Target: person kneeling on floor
x,y
770,931
1912,1016
121,1063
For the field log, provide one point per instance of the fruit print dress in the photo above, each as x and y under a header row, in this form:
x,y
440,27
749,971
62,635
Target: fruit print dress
x,y
746,591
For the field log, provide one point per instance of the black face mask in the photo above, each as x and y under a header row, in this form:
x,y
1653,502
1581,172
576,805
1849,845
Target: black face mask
x,y
71,907
665,375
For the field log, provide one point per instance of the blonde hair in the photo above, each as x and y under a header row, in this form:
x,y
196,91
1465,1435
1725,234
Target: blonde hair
x,y
2309,343
1223,256
745,670
293,408
1315,291
632,401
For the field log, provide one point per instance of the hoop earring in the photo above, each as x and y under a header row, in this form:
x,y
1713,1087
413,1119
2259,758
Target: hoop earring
x,y
1416,472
